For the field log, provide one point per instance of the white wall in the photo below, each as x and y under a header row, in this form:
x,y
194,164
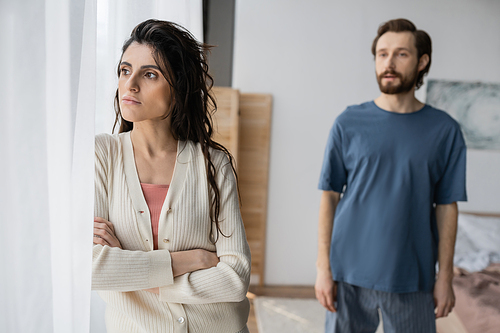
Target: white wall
x,y
314,58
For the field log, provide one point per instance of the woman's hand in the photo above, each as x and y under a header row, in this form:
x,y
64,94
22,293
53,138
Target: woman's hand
x,y
192,260
189,261
104,233
153,290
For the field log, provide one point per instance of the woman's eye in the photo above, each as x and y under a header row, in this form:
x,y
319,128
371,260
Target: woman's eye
x,y
150,75
124,71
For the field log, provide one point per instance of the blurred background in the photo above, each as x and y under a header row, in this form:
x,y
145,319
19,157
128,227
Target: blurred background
x,y
59,58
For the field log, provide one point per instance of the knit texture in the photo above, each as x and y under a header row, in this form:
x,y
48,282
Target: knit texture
x,y
155,196
210,300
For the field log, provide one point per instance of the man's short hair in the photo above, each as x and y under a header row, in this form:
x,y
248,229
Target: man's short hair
x,y
422,42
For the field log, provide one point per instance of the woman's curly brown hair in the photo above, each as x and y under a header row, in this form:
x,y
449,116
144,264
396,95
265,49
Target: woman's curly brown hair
x,y
183,62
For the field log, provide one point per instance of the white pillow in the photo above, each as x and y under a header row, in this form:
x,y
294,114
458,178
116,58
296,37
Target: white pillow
x,y
478,242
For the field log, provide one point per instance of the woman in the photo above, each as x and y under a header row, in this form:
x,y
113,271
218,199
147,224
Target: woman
x,y
170,251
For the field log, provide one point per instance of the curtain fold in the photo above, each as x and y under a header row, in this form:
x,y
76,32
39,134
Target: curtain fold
x,y
83,172
48,103
25,280
46,194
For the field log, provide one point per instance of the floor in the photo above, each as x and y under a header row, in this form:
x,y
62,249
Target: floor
x,y
450,324
274,291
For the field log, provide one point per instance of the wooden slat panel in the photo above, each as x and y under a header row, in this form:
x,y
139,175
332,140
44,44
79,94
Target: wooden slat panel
x,y
253,171
226,119
243,125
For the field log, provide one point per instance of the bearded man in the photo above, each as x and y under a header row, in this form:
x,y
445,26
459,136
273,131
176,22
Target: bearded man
x,y
393,171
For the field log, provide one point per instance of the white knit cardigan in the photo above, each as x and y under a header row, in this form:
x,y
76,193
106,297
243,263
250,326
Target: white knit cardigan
x,y
209,300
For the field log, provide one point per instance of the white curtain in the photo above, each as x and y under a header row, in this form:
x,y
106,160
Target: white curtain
x,y
115,21
46,146
49,108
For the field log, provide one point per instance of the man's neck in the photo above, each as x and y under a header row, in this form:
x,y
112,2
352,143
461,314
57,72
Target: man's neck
x,y
399,103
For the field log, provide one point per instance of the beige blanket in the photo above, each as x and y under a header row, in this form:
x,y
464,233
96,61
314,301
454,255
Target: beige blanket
x,y
478,299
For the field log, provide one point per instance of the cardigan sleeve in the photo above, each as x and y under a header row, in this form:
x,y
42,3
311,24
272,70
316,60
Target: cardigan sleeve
x,y
113,268
229,280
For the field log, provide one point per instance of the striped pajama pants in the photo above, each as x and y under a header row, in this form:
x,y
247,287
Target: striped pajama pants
x,y
358,311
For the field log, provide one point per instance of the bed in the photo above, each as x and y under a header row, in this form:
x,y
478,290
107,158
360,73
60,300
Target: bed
x,y
477,276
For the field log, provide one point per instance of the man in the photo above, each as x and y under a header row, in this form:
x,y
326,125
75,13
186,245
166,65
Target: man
x,y
392,173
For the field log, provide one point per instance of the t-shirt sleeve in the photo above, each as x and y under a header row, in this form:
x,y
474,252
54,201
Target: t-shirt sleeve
x,y
333,173
452,186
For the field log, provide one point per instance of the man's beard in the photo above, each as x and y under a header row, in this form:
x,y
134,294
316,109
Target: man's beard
x,y
405,84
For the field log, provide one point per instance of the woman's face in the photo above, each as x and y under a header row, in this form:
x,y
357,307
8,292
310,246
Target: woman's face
x,y
143,92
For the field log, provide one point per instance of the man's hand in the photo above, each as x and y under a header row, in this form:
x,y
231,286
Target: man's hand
x,y
325,287
444,297
326,290
104,233
446,219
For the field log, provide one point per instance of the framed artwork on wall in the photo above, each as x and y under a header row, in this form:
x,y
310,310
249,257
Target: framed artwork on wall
x,y
476,107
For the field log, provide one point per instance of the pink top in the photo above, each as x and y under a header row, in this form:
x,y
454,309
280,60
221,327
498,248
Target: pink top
x,y
155,196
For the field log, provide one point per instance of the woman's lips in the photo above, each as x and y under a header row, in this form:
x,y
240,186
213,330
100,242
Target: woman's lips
x,y
130,100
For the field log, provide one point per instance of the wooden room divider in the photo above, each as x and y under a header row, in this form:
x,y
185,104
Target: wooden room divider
x,y
243,125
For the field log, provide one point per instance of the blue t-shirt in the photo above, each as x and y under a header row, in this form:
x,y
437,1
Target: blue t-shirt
x,y
391,168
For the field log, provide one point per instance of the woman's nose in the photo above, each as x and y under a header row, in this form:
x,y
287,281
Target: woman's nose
x,y
132,83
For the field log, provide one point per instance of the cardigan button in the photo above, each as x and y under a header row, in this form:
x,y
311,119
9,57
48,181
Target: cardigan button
x,y
166,240
169,210
181,320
